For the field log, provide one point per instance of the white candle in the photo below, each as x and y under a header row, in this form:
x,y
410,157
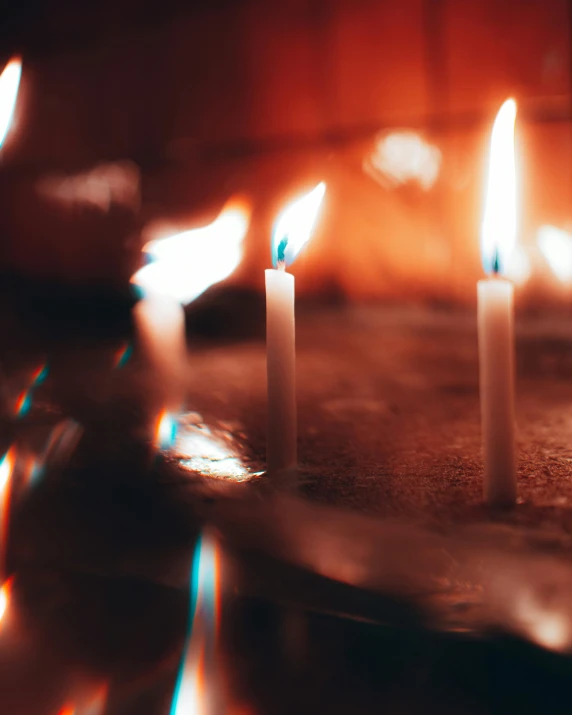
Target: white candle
x,y
496,316
160,325
496,361
281,370
293,228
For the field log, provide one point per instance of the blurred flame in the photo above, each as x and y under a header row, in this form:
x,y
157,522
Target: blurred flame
x,y
556,247
40,373
23,403
403,156
498,234
192,695
186,264
9,83
6,470
519,267
295,224
5,598
166,430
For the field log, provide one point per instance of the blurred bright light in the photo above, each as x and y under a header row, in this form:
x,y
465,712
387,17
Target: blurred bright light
x,y
9,83
498,233
556,247
402,157
186,264
519,266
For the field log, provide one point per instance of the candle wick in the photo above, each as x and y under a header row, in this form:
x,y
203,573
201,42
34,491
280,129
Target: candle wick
x,y
496,263
281,265
281,252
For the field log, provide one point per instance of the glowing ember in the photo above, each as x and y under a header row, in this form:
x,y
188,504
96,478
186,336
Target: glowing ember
x,y
556,247
192,697
404,156
498,234
9,83
166,430
295,224
186,264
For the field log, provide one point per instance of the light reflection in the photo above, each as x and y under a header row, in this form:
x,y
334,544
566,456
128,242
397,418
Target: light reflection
x,y
186,264
9,84
194,693
165,430
404,156
550,628
556,247
295,224
211,454
23,403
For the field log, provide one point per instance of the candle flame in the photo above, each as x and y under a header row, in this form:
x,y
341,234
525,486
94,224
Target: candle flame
x,y
191,696
295,224
9,83
498,234
185,265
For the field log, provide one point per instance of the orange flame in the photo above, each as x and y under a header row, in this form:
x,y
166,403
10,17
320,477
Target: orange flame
x,y
186,264
9,83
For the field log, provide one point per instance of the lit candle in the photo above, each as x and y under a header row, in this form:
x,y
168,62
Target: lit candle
x,y
496,315
9,83
291,231
183,266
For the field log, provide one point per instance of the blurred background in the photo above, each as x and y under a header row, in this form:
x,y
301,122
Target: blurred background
x,y
133,118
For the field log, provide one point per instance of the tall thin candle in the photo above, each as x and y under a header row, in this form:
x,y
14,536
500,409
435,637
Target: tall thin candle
x,y
292,229
496,316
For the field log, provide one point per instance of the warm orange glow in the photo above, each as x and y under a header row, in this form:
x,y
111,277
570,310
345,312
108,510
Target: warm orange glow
x,y
186,264
6,469
547,625
401,157
295,224
9,83
498,234
165,430
67,710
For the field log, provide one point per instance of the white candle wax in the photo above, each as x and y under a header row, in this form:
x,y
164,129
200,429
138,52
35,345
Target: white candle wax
x,y
281,369
496,361
160,325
